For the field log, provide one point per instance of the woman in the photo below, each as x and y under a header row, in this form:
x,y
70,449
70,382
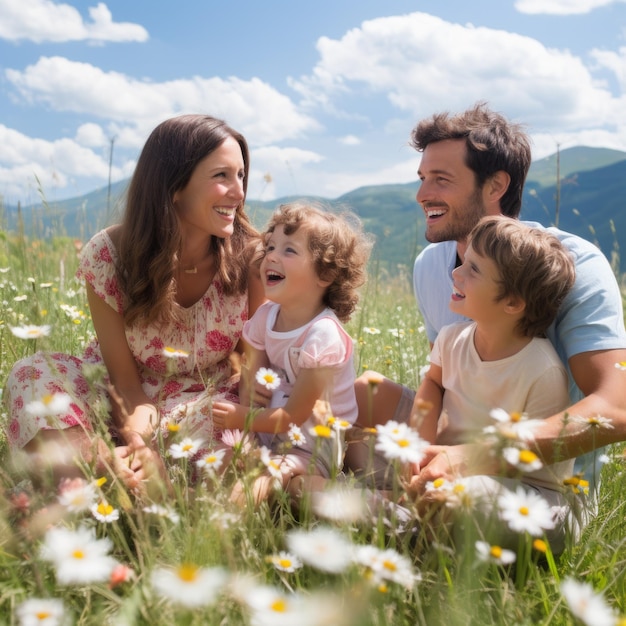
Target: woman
x,y
169,289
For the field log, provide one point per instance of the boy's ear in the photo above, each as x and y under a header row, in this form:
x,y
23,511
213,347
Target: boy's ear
x,y
514,305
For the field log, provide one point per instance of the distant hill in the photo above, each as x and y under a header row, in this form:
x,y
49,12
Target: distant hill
x,y
592,204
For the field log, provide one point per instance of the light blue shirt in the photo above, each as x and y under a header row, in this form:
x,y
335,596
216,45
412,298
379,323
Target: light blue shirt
x,y
590,318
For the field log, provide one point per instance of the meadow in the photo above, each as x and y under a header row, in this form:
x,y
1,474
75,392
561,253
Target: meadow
x,y
190,557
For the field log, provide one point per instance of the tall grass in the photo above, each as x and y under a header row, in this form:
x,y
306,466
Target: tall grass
x,y
447,583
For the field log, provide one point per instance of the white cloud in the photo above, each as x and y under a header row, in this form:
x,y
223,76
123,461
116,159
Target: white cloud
x,y
253,107
91,135
350,140
561,7
43,20
410,61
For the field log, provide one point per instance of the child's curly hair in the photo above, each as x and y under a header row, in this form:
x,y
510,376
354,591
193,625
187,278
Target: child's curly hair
x,y
339,246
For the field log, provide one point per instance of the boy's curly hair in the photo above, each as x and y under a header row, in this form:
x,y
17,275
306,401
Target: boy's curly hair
x,y
339,246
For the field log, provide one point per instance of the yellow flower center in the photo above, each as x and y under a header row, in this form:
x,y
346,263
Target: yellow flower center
x,y
278,606
42,615
438,482
540,545
173,428
187,447
105,509
527,456
188,572
100,481
390,565
403,443
322,431
47,399
209,460
495,551
268,378
524,510
284,563
516,417
459,488
78,554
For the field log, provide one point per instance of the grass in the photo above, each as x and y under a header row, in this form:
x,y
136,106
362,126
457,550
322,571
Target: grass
x,y
446,582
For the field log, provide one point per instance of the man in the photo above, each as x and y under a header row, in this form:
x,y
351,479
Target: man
x,y
475,164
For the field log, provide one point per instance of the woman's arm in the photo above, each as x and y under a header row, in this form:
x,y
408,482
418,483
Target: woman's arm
x,y
135,411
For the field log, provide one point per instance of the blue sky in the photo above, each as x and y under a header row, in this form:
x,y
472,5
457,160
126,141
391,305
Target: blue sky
x,y
326,92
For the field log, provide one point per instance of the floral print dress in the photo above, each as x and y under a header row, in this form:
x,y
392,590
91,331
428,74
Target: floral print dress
x,y
182,366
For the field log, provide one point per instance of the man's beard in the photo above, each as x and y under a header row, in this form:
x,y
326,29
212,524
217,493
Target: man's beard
x,y
465,221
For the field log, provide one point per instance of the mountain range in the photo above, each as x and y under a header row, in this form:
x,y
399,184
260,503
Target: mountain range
x,y
581,190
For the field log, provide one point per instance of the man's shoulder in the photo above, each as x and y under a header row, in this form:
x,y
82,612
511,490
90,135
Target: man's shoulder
x,y
436,254
573,242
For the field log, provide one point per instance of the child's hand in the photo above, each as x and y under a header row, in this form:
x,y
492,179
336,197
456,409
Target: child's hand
x,y
228,415
262,395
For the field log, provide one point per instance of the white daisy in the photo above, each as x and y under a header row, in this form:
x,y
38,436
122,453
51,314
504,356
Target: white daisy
x,y
592,421
285,562
385,565
212,461
104,512
523,460
296,436
49,405
189,585
268,378
587,605
525,511
323,548
494,554
397,440
78,556
621,365
339,504
163,511
338,424
185,449
77,495
370,330
271,463
515,426
30,332
42,612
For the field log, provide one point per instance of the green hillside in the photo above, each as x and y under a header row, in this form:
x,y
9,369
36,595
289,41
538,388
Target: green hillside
x,y
592,203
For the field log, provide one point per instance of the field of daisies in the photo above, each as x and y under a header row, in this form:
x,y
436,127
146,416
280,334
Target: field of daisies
x,y
88,551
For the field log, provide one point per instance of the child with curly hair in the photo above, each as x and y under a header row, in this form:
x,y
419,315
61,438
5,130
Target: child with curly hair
x,y
313,264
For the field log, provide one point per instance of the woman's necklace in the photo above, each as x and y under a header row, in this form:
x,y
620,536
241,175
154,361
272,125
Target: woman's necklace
x,y
191,270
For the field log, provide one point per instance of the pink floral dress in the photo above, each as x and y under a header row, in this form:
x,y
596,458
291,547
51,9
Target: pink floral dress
x,y
180,386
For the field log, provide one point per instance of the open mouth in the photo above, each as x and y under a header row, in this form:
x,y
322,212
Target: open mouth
x,y
273,278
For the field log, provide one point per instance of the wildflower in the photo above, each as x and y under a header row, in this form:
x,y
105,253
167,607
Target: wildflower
x,y
494,554
621,365
185,449
224,519
338,424
272,465
212,461
586,605
577,484
322,431
523,460
385,565
50,405
268,378
370,330
174,353
285,562
121,574
398,333
339,504
22,298
399,441
322,548
296,436
515,426
525,511
30,332
104,512
77,494
78,557
162,511
540,545
189,585
374,379
41,612
593,421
